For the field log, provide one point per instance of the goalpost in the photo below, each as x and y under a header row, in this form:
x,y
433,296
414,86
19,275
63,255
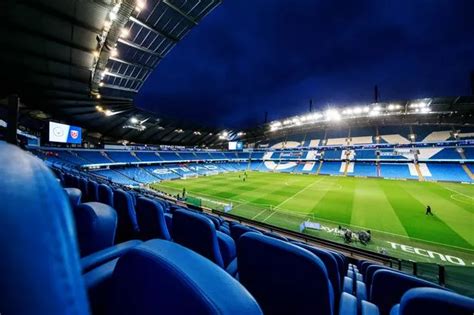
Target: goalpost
x,y
186,176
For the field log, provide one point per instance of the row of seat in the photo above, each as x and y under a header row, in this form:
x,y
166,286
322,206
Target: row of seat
x,y
275,275
41,271
194,229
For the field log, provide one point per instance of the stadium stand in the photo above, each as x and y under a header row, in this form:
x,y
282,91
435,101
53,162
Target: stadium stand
x,y
115,267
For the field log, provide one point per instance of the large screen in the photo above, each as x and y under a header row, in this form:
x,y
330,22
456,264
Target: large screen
x,y
64,133
236,145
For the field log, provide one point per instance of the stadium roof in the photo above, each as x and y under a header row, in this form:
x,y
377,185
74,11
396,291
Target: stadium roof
x,y
83,61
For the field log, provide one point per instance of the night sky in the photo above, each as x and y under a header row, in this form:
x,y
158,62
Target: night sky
x,y
252,56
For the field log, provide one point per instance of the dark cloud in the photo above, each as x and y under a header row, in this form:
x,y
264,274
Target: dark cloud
x,y
248,57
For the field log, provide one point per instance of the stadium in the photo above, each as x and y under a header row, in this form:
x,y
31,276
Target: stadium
x,y
359,207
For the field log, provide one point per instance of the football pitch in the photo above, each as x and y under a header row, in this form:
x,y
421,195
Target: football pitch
x,y
393,210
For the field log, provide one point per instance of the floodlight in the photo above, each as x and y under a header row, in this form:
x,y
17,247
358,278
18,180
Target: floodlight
x,y
108,112
99,108
374,113
140,5
124,33
98,96
112,16
332,114
133,120
225,133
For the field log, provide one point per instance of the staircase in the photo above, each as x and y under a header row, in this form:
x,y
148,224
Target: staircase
x,y
418,171
319,167
346,167
468,171
135,155
106,156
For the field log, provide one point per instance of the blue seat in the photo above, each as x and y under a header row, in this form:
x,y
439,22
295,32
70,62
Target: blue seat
x,y
370,271
169,223
39,269
283,278
84,188
433,301
76,182
151,219
197,232
331,266
74,195
275,235
127,227
163,277
388,287
237,230
106,195
96,225
93,191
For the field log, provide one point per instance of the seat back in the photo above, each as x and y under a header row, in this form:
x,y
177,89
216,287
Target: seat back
x,y
388,287
197,232
283,278
164,277
236,230
151,219
93,191
435,301
127,227
331,266
106,195
370,271
83,187
96,224
39,269
74,195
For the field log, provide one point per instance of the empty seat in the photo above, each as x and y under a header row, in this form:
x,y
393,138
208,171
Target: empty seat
x,y
106,195
74,195
93,191
236,230
127,227
283,278
433,301
166,278
83,187
39,269
275,235
151,219
388,287
331,266
95,224
197,232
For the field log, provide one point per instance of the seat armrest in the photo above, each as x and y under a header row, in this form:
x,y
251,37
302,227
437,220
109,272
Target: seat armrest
x,y
105,255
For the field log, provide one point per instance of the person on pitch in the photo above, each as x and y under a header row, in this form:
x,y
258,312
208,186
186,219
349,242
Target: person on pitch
x,y
428,210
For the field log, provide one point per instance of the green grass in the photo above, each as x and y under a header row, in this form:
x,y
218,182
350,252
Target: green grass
x,y
393,210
